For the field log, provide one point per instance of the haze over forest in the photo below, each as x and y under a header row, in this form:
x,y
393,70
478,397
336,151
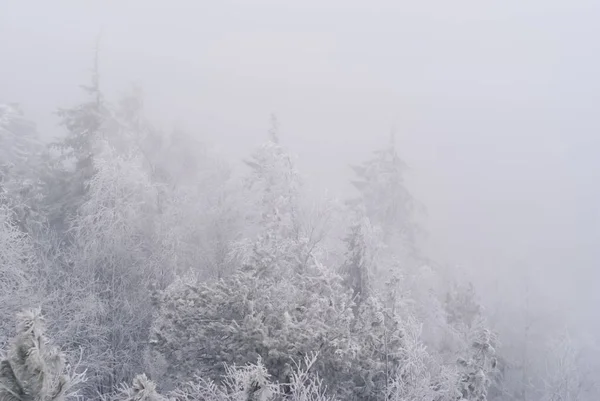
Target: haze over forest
x,y
492,105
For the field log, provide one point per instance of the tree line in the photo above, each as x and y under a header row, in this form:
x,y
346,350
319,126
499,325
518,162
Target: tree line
x,y
160,271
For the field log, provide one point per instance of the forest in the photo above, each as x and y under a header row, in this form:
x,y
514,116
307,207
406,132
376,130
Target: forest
x,y
135,265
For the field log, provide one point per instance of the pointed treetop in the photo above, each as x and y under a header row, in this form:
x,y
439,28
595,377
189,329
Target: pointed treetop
x,y
274,129
96,71
393,137
95,88
392,145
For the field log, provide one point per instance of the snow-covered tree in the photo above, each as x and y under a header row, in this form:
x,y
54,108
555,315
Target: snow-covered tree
x,y
200,205
359,267
118,256
18,137
274,184
462,308
384,197
377,343
252,382
86,124
141,389
272,238
420,376
569,375
478,367
17,262
304,385
200,328
202,223
21,169
33,368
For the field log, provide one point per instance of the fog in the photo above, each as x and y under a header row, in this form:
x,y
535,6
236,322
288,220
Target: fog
x,y
494,106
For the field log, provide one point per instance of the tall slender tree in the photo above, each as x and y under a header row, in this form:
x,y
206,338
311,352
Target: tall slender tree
x,y
273,186
21,166
358,268
383,194
85,123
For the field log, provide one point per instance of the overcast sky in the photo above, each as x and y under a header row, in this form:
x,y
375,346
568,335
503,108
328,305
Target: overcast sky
x,y
495,104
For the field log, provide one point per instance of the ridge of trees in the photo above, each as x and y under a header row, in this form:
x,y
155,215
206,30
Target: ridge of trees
x,y
149,257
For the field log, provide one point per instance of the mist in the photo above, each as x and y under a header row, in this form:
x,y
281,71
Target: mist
x,y
492,104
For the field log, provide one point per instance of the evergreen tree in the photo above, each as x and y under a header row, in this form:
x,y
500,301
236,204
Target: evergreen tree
x,y
462,309
34,369
276,184
272,191
21,169
477,371
274,129
85,123
420,375
358,269
119,256
383,195
16,271
18,137
201,328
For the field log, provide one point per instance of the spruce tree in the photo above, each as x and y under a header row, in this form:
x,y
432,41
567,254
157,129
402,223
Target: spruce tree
x,y
85,123
275,182
34,369
273,191
476,372
359,265
18,137
21,165
383,195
